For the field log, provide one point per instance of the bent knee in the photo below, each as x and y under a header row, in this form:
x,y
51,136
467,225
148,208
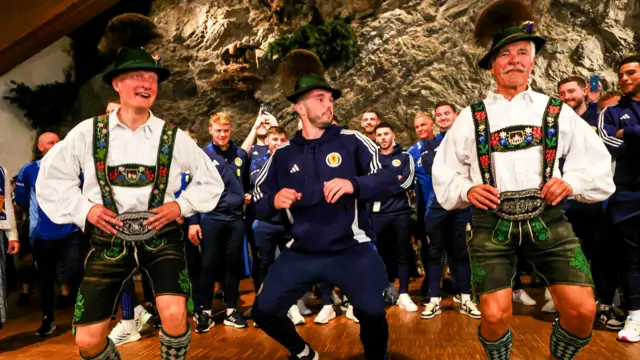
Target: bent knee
x,y
495,316
585,311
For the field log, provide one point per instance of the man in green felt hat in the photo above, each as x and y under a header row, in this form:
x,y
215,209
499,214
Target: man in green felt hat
x,y
501,158
132,163
320,183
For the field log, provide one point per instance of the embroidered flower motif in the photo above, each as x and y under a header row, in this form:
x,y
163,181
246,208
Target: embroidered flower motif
x,y
554,110
113,175
481,115
550,155
495,139
537,132
482,139
149,174
163,171
551,132
484,160
100,166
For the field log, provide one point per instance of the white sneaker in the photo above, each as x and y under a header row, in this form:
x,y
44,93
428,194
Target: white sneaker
x,y
431,310
470,309
295,316
119,335
631,331
549,307
142,321
457,299
349,314
326,314
547,294
520,296
405,302
304,310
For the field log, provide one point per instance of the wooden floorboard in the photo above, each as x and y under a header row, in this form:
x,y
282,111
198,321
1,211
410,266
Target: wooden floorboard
x,y
446,337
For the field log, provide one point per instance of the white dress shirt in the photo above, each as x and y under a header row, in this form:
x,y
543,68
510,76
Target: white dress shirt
x,y
8,225
587,168
57,187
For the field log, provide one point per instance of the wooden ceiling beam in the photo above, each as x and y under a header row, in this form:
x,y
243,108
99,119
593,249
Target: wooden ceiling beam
x,y
44,26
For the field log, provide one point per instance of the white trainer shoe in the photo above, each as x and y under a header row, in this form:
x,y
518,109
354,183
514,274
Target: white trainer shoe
x,y
520,296
549,307
295,316
431,310
326,314
142,321
470,309
631,330
349,314
119,335
405,302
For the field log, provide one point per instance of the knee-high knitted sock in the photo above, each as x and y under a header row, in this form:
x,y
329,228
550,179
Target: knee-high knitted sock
x,y
174,348
565,346
499,349
108,353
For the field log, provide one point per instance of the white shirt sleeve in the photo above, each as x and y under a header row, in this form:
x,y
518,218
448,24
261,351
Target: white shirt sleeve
x,y
587,166
451,172
12,231
58,185
206,187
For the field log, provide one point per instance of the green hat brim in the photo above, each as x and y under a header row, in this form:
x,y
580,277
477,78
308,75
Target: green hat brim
x,y
162,72
293,98
485,62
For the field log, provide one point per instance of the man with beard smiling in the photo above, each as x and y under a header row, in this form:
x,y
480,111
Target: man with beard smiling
x,y
501,157
320,182
132,163
619,128
573,91
368,122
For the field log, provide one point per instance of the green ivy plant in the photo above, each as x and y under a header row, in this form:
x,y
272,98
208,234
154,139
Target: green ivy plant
x,y
46,106
333,42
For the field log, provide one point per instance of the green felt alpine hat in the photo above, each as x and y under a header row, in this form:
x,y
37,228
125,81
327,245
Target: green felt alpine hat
x,y
310,82
132,59
525,32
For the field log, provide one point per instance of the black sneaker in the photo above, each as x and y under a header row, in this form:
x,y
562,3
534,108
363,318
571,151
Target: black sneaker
x,y
23,300
205,322
311,356
235,319
219,295
47,327
155,318
611,319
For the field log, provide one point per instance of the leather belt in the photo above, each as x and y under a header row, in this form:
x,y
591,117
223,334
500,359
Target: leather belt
x,y
520,205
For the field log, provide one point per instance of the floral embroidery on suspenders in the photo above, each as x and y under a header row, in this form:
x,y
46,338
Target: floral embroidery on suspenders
x,y
158,175
485,139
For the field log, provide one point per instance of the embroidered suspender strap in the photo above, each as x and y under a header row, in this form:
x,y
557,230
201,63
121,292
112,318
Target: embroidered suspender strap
x,y
163,164
481,124
551,131
100,151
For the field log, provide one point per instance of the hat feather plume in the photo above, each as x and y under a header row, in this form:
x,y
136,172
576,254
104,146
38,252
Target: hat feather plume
x,y
500,15
297,63
128,30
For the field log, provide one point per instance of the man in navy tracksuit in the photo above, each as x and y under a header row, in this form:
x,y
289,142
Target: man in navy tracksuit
x,y
321,181
446,231
589,220
619,128
392,218
218,234
224,228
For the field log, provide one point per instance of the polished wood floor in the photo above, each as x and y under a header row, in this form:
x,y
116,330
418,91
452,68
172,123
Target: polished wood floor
x,y
446,337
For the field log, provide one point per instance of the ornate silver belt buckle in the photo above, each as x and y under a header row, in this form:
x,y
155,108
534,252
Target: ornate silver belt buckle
x,y
133,228
520,205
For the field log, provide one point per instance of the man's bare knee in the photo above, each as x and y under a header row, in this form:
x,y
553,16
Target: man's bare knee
x,y
92,339
173,313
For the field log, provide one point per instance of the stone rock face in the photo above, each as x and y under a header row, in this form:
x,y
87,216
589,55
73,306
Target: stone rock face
x,y
413,53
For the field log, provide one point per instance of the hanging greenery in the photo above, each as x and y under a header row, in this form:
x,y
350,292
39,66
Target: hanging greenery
x,y
46,106
333,42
